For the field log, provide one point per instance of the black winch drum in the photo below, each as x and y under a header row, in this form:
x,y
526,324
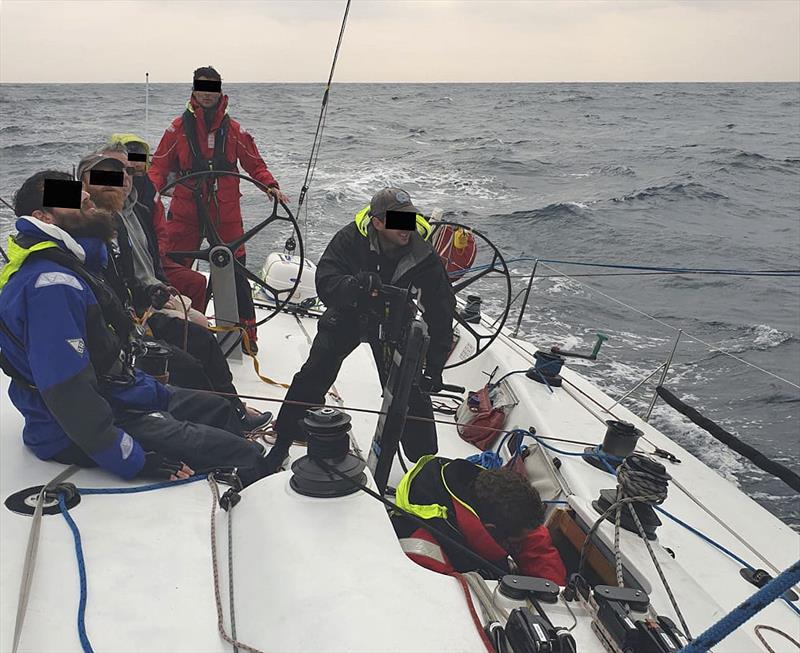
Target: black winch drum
x,y
620,439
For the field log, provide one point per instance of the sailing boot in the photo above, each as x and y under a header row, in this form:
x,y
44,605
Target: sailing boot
x,y
472,311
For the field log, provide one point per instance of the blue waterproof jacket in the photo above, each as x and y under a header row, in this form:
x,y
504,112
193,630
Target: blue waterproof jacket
x,y
50,316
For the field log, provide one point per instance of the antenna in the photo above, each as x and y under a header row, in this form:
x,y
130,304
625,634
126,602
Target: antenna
x,y
146,104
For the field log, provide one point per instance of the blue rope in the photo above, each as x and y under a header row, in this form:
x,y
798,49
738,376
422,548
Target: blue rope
x,y
85,643
595,453
140,488
744,611
604,458
719,546
490,459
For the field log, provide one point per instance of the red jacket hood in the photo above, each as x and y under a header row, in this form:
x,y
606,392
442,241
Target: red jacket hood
x,y
199,112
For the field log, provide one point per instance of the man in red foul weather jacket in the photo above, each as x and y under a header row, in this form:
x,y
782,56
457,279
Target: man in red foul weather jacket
x,y
495,513
204,137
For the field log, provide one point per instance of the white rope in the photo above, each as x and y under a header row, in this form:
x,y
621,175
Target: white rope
x,y
29,566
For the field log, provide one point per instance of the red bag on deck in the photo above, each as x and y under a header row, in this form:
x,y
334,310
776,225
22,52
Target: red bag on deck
x,y
479,420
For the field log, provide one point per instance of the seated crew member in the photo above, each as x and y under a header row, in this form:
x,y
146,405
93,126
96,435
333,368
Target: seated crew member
x,y
65,343
137,278
496,513
204,137
186,281
360,258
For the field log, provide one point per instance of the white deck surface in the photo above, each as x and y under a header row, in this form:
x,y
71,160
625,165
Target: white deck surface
x,y
328,575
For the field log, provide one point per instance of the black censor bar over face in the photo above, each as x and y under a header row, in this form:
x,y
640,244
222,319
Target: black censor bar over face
x,y
137,156
106,178
401,220
61,194
207,85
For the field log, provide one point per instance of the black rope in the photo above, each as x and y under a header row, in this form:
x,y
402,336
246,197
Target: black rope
x,y
728,439
315,147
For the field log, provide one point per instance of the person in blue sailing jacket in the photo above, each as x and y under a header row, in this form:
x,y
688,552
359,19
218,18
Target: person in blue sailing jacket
x,y
65,341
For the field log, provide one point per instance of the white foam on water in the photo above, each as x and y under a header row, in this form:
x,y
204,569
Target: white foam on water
x,y
354,184
713,453
759,336
559,285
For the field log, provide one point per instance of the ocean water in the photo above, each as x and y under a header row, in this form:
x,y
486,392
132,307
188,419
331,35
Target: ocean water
x,y
677,175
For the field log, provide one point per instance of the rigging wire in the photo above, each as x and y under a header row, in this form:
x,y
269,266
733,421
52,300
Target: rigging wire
x,y
323,114
790,272
674,328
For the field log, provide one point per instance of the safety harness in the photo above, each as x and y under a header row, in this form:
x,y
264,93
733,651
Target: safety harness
x,y
446,483
219,160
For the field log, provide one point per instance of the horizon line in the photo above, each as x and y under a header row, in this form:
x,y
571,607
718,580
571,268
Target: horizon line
x,y
695,81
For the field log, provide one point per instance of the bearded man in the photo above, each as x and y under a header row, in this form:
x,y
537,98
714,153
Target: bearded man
x,y
65,341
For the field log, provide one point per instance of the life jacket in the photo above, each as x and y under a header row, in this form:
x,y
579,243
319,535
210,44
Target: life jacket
x,y
105,341
363,217
444,487
457,248
219,160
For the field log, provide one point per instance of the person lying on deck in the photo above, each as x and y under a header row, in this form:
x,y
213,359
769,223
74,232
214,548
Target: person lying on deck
x,y
66,342
495,513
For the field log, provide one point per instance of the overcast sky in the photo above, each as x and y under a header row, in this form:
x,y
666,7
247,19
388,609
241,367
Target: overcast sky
x,y
404,41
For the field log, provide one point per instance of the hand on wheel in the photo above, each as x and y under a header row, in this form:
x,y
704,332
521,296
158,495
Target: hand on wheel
x,y
369,282
277,192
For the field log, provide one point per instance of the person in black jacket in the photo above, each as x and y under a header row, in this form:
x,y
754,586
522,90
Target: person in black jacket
x,y
137,277
360,258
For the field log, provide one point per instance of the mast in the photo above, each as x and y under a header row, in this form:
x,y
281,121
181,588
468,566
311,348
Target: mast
x,y
146,104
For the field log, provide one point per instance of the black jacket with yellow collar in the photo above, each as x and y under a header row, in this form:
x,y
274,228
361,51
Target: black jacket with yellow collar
x,y
355,248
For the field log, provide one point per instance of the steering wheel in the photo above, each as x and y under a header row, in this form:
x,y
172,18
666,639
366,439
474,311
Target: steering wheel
x,y
214,240
497,267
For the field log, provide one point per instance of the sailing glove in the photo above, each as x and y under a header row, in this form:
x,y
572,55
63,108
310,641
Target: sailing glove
x,y
160,468
369,282
159,295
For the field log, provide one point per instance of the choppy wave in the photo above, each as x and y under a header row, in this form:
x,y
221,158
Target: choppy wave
x,y
673,191
549,212
679,161
580,97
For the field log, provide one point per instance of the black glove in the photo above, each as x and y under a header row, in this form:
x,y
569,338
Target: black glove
x,y
158,295
159,468
369,282
431,381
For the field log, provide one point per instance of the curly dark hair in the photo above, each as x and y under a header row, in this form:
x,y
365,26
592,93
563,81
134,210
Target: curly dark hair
x,y
505,499
207,71
29,196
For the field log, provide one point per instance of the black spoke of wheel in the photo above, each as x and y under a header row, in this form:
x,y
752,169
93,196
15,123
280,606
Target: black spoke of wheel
x,y
468,282
252,276
497,266
247,235
478,336
201,254
211,234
